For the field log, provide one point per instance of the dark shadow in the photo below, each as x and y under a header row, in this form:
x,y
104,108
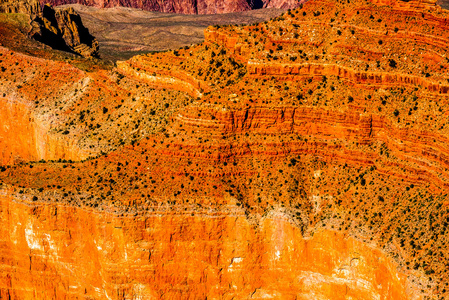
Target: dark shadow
x,y
84,34
256,4
50,38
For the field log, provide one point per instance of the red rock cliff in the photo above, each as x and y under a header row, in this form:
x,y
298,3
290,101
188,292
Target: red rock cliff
x,y
185,6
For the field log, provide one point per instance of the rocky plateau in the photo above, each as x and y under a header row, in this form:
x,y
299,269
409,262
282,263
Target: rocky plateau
x,y
304,157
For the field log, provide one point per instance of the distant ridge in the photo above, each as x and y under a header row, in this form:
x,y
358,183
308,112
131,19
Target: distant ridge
x,y
186,6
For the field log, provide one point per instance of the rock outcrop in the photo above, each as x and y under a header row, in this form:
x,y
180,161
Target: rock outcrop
x,y
301,157
63,29
29,7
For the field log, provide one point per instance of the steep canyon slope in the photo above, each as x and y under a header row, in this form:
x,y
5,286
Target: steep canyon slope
x,y
304,157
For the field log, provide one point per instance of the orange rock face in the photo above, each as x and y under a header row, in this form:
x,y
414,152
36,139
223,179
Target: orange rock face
x,y
85,254
16,119
301,158
23,138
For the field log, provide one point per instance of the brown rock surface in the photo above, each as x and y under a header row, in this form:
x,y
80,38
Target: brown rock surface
x,y
126,32
443,3
29,7
285,4
301,157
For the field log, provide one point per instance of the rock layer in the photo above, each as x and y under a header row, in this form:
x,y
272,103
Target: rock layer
x,y
303,148
168,255
33,142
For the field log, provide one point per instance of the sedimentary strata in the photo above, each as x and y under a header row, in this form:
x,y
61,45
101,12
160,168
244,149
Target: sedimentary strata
x,y
186,6
301,157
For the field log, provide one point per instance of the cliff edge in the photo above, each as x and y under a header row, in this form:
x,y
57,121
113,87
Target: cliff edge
x,y
305,157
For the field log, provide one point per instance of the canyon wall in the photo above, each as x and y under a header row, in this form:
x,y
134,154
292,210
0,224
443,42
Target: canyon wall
x,y
185,6
31,7
304,157
16,119
23,138
85,254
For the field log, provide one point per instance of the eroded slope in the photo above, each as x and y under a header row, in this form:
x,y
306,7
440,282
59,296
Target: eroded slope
x,y
332,116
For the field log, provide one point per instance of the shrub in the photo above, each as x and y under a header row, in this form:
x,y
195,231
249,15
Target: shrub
x,y
392,63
